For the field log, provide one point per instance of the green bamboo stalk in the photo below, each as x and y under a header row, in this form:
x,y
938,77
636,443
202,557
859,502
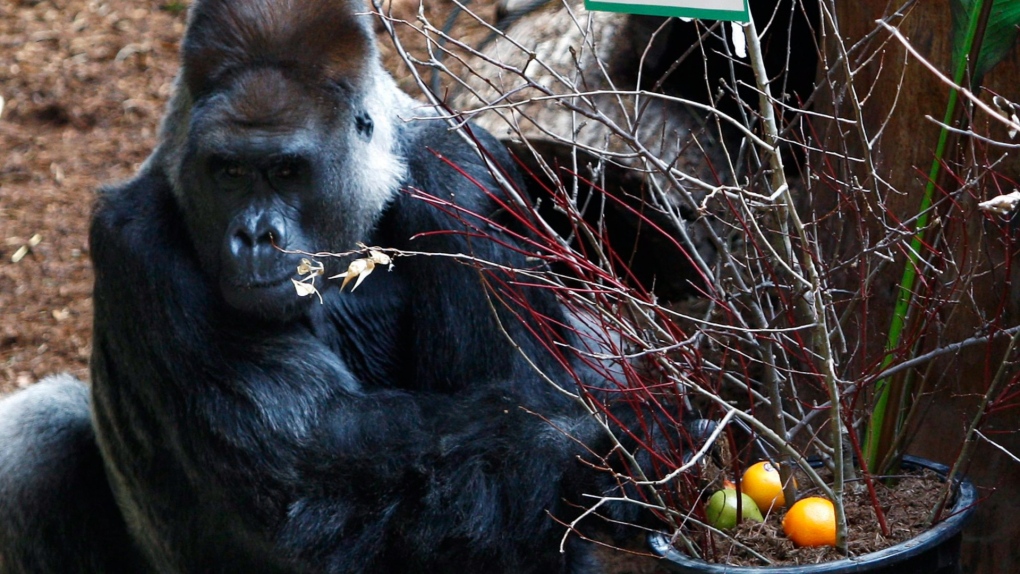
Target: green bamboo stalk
x,y
886,420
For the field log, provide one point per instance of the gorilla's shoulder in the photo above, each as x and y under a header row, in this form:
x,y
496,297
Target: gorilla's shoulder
x,y
149,191
462,165
433,139
135,212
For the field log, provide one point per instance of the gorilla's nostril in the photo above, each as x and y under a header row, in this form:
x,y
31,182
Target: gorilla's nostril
x,y
243,239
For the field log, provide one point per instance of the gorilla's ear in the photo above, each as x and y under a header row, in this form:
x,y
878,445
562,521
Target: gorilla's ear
x,y
331,39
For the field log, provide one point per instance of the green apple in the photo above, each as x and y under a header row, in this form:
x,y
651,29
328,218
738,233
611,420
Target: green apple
x,y
721,510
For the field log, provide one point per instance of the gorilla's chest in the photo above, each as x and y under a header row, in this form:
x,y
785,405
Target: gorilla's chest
x,y
368,329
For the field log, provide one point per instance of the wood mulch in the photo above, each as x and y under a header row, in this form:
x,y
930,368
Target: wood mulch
x,y
906,503
84,84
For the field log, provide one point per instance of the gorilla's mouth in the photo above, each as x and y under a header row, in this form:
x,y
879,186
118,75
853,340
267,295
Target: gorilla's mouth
x,y
264,283
270,298
251,282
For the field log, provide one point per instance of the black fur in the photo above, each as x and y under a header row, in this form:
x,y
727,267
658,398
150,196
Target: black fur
x,y
389,429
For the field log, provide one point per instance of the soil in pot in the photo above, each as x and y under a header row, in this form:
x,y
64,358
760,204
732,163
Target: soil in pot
x,y
907,502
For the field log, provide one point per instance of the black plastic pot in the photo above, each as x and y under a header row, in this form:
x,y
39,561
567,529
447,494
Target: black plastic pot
x,y
936,551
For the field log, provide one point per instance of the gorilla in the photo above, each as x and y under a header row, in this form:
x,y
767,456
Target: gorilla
x,y
416,424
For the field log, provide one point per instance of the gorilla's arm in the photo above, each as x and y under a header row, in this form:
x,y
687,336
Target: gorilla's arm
x,y
220,431
465,323
209,421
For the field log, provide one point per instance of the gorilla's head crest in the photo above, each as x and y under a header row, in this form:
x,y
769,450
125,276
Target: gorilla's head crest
x,y
329,39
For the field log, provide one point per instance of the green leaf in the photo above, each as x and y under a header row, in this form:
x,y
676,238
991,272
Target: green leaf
x,y
1000,35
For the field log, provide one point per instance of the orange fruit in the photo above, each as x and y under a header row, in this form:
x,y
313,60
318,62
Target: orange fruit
x,y
762,483
811,521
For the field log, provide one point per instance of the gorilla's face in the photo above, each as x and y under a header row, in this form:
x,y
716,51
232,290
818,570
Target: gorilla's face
x,y
272,171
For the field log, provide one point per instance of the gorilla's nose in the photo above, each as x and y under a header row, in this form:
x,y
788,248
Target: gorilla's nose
x,y
256,235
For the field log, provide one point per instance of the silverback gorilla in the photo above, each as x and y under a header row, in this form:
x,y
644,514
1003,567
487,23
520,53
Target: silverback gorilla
x,y
232,426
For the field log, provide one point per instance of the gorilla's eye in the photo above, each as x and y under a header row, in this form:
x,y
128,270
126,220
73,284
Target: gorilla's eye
x,y
288,173
234,170
285,171
228,171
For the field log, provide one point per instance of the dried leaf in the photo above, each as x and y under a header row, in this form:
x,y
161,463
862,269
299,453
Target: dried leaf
x,y
1009,109
303,289
1003,204
361,277
379,257
309,267
358,269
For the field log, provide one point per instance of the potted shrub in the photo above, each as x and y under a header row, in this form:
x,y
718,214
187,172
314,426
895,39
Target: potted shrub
x,y
807,316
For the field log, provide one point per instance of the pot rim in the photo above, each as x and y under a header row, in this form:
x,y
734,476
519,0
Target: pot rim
x,y
963,508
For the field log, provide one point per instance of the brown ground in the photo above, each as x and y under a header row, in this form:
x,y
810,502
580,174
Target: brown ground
x,y
84,85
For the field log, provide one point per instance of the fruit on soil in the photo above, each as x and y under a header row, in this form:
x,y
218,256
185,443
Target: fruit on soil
x,y
811,521
721,510
762,483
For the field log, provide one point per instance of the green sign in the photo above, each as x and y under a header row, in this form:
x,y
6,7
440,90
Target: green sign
x,y
735,10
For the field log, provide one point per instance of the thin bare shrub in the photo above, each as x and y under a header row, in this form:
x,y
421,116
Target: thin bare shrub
x,y
772,328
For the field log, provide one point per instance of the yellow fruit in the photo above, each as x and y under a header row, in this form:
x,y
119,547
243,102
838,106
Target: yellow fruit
x,y
762,483
811,521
